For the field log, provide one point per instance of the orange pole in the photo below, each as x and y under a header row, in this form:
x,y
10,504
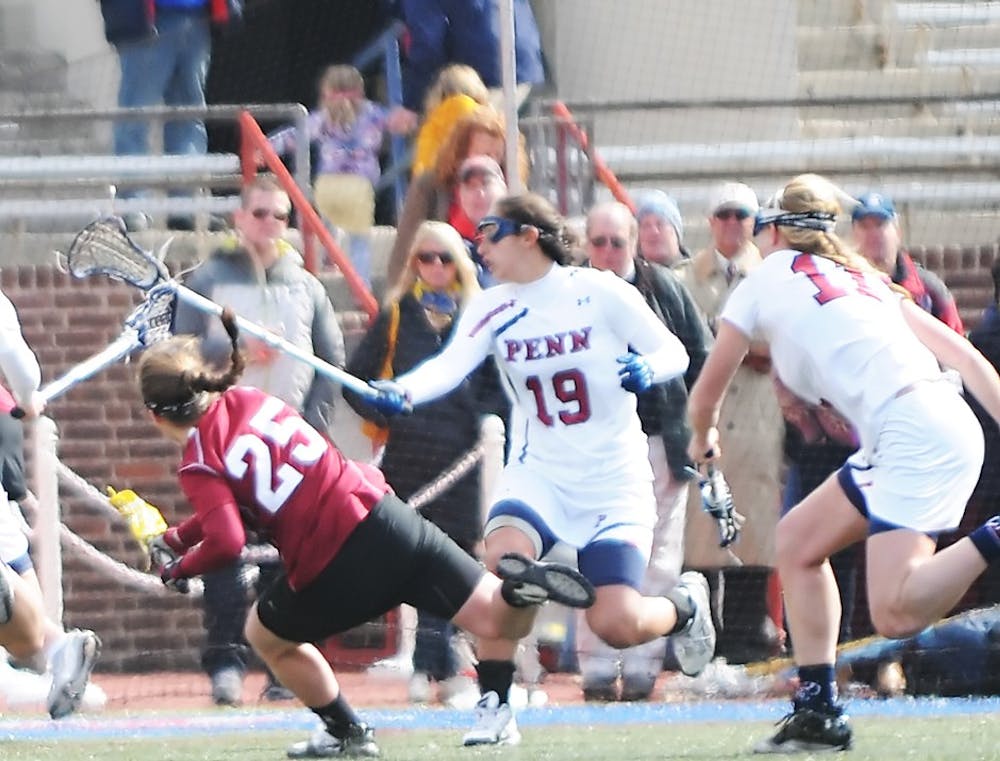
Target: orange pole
x,y
253,139
601,170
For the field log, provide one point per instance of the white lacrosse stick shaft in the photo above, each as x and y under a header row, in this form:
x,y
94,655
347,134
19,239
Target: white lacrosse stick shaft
x,y
121,347
275,341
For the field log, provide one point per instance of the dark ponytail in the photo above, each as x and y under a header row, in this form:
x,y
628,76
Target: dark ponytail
x,y
174,380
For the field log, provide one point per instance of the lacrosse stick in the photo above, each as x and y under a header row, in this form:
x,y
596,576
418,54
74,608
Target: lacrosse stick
x,y
104,247
147,324
717,501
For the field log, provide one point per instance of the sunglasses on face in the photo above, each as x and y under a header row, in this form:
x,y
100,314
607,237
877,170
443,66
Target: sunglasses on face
x,y
726,214
600,241
281,216
495,229
429,257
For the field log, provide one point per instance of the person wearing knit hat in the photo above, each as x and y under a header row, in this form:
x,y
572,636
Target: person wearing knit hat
x,y
661,229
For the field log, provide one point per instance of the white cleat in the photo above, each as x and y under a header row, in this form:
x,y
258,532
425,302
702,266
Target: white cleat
x,y
71,664
694,645
495,723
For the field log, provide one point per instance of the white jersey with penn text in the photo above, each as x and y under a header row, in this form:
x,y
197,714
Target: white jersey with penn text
x,y
556,341
835,334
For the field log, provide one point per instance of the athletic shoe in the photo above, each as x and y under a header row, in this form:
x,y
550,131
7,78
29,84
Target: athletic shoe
x,y
495,724
694,645
227,687
359,743
600,691
71,664
807,730
6,598
532,582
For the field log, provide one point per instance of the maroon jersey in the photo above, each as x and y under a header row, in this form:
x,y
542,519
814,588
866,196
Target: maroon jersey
x,y
252,457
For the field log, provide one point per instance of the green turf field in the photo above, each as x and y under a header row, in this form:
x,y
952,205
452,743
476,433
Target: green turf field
x,y
960,738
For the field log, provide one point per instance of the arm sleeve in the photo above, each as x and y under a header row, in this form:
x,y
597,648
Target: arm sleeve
x,y
223,540
636,324
187,319
740,310
222,535
365,363
328,345
467,348
690,327
18,362
942,303
427,52
283,141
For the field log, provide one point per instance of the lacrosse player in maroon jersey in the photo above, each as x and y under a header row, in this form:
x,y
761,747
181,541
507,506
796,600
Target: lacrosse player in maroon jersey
x,y
350,549
840,335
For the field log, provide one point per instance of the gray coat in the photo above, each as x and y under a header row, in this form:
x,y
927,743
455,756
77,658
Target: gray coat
x,y
285,299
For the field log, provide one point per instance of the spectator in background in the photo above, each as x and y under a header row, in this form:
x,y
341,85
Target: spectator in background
x,y
420,312
261,277
661,229
458,91
611,238
433,195
752,421
480,184
164,48
464,31
348,130
876,231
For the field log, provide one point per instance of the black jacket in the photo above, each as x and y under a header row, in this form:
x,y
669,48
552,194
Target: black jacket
x,y
663,408
423,444
127,21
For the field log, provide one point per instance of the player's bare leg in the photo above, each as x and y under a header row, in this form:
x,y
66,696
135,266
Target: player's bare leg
x,y
22,619
301,668
812,606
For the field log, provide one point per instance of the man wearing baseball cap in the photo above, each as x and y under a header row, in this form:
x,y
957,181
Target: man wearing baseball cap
x,y
876,230
752,445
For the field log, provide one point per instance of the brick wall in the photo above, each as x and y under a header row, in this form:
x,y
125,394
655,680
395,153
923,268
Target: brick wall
x,y
966,272
105,437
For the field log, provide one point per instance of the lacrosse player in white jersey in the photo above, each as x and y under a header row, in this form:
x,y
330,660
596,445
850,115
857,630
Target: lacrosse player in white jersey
x,y
573,346
843,338
25,631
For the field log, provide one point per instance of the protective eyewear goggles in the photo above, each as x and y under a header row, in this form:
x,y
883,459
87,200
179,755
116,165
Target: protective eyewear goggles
x,y
495,229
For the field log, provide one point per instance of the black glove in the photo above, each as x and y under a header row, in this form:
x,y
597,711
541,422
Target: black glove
x,y
171,580
717,501
161,554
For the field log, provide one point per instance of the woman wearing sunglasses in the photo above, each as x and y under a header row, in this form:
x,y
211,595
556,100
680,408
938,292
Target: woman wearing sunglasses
x,y
840,336
573,347
420,313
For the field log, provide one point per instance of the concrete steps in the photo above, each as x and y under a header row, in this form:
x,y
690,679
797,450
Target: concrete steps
x,y
879,46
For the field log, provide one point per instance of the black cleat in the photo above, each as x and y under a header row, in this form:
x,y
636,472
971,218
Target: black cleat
x,y
530,582
808,730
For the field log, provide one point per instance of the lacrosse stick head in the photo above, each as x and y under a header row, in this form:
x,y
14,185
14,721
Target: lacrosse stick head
x,y
104,247
151,320
717,501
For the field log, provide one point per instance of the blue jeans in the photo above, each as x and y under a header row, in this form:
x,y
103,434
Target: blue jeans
x,y
169,69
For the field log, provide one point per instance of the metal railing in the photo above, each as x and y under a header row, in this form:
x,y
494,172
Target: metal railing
x,y
386,47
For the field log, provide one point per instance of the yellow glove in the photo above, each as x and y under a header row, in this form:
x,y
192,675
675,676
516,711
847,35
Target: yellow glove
x,y
145,522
